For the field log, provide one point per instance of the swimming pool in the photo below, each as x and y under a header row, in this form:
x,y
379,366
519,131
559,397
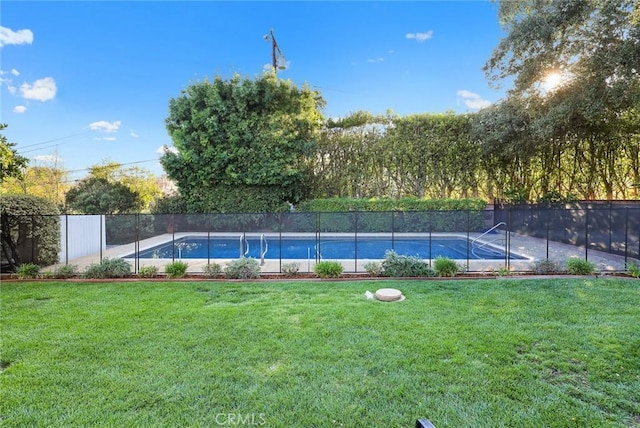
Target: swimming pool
x,y
327,248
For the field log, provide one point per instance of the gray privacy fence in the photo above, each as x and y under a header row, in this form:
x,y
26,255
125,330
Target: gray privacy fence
x,y
505,237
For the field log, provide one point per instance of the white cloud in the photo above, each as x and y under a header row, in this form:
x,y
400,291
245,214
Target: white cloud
x,y
390,51
41,90
10,37
15,72
105,139
420,37
105,126
134,134
7,81
19,109
473,100
376,60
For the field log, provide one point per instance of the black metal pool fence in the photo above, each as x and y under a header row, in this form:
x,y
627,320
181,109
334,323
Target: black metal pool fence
x,y
602,227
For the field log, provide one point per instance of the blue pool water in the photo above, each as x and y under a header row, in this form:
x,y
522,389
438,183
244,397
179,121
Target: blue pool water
x,y
329,248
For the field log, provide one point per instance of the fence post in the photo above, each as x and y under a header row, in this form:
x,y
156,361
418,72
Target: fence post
x,y
626,235
317,255
548,215
280,241
393,229
101,233
586,234
468,227
507,241
66,239
355,244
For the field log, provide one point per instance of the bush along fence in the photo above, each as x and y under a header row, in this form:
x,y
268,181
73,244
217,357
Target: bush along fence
x,y
501,240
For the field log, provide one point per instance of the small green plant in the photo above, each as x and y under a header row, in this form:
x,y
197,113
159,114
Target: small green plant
x,y
395,265
634,270
108,268
290,269
212,270
503,271
244,268
580,267
148,272
374,268
28,271
66,271
444,266
177,269
545,267
328,269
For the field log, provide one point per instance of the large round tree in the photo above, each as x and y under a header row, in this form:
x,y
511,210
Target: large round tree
x,y
242,144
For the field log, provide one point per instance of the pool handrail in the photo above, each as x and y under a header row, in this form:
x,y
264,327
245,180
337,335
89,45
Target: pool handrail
x,y
263,239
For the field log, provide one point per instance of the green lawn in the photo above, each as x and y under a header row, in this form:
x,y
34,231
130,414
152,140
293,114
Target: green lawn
x,y
485,353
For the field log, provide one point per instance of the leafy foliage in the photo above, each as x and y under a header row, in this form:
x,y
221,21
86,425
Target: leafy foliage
x,y
11,163
148,272
48,182
28,271
546,266
446,267
65,271
580,267
244,268
171,204
290,269
29,230
176,269
400,215
100,196
373,268
139,180
634,270
328,269
583,134
108,268
242,145
395,266
212,270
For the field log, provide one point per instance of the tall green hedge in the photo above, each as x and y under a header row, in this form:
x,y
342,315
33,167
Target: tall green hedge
x,y
388,204
398,215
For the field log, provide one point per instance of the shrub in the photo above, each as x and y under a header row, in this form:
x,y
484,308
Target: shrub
x,y
328,269
176,269
66,271
290,269
374,268
108,268
244,268
398,266
580,267
148,272
444,266
545,267
634,270
212,270
28,271
30,230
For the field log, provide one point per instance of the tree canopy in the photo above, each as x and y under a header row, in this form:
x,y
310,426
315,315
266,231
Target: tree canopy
x,y
138,180
11,163
95,195
242,144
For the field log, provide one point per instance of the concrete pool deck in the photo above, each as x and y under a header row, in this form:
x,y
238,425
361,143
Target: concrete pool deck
x,y
530,248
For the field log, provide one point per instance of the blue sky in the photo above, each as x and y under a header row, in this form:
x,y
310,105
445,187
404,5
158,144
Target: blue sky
x,y
87,81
